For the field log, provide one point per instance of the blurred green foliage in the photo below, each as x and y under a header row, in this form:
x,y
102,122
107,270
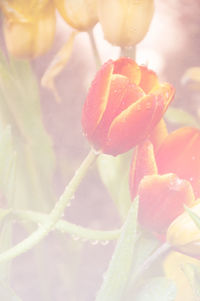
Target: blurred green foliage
x,y
20,108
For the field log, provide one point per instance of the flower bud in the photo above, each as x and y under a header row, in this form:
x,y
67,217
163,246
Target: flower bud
x,y
125,23
80,14
29,32
161,200
124,104
184,235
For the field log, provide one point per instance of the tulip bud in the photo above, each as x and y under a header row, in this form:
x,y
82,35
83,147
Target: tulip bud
x,y
80,14
124,104
28,29
161,200
125,23
184,235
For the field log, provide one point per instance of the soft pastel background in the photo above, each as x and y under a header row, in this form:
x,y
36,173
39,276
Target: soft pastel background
x,y
61,267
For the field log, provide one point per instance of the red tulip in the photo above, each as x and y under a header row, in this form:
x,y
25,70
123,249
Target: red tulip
x,y
162,200
123,105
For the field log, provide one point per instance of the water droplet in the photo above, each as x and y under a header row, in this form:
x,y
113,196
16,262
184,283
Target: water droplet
x,y
193,157
139,107
191,179
148,105
62,230
94,242
96,152
75,237
104,242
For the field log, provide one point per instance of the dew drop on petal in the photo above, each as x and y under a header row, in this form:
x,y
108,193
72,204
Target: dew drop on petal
x,y
148,105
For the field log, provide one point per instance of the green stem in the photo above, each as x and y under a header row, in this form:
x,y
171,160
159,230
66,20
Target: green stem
x,y
164,248
128,52
54,215
67,227
94,49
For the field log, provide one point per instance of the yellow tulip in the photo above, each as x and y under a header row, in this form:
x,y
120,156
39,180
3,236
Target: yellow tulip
x,y
184,235
80,14
125,22
29,27
174,269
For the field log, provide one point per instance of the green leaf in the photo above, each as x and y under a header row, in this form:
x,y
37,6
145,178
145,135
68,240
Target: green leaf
x,y
146,245
194,216
158,289
114,173
7,190
181,117
117,275
20,107
192,272
7,165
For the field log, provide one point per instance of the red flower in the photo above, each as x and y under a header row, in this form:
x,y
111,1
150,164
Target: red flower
x,y
123,105
167,178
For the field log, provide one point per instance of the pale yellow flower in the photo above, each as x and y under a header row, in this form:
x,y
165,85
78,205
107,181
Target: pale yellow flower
x,y
28,26
79,14
125,22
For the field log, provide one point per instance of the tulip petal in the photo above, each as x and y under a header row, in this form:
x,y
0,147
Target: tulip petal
x,y
134,124
148,80
158,134
166,90
122,95
128,68
97,99
161,200
143,164
179,153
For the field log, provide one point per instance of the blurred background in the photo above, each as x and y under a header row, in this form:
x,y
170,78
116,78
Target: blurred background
x,y
62,267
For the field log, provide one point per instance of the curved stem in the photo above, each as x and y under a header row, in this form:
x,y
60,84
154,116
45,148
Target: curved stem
x,y
54,215
67,227
94,49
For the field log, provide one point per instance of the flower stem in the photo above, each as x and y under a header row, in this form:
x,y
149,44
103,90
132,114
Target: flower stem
x,y
54,215
94,49
128,52
164,248
67,227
